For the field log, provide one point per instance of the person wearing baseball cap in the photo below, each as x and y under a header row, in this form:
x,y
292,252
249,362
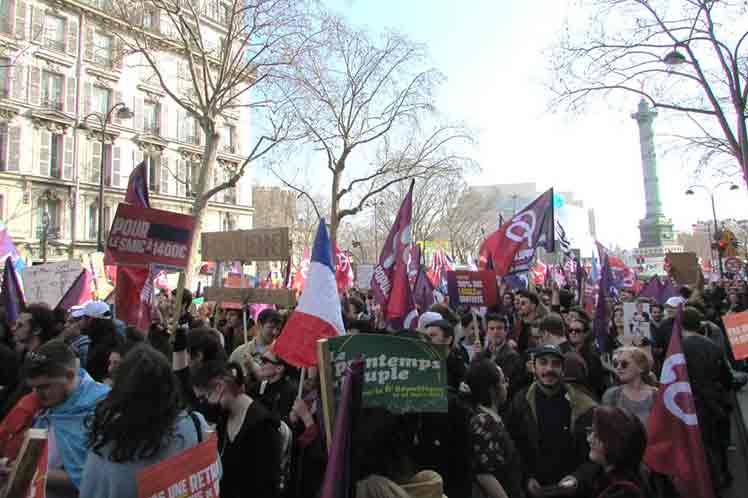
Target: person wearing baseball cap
x,y
671,305
548,421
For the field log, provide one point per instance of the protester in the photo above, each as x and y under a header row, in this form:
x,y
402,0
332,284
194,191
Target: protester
x,y
711,380
68,396
501,351
471,342
72,334
554,332
636,392
310,455
139,424
249,440
617,441
376,486
274,384
580,337
98,325
441,332
191,350
548,422
495,460
268,327
233,330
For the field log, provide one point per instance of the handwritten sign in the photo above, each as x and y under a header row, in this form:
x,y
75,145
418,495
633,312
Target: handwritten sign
x,y
49,282
142,236
279,297
192,473
737,333
472,288
260,244
364,274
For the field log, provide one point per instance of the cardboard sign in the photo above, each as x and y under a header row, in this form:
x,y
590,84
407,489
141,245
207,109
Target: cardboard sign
x,y
260,244
472,288
400,374
684,267
364,274
49,282
195,472
28,476
280,297
143,236
736,325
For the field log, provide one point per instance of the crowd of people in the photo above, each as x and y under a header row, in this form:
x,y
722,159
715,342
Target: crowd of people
x,y
536,407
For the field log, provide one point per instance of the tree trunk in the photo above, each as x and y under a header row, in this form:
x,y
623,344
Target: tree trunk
x,y
210,157
334,221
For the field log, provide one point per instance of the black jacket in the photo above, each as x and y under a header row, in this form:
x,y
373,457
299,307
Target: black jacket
x,y
522,422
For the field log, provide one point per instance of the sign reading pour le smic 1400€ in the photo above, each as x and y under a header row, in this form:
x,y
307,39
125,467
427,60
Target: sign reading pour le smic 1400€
x,y
142,236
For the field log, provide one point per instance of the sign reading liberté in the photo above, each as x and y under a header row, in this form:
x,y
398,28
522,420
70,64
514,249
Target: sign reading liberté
x,y
143,236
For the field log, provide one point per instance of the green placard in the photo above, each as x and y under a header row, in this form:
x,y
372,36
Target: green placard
x,y
400,374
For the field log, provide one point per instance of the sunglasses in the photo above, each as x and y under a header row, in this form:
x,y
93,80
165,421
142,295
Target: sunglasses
x,y
620,364
576,331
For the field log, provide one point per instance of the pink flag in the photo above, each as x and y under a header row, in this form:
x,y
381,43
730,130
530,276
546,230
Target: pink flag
x,y
299,279
343,270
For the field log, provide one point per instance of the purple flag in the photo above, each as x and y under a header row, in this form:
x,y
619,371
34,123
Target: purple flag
x,y
396,248
658,290
137,187
423,291
338,482
600,323
12,295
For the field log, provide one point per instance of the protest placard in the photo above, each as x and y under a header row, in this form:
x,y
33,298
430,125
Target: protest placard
x,y
143,236
279,297
472,288
364,274
192,473
28,476
636,318
736,325
94,262
259,244
400,374
47,283
684,267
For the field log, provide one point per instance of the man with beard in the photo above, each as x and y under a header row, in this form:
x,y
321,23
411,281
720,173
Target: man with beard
x,y
548,422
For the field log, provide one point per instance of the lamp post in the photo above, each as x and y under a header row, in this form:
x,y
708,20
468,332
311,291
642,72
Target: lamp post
x,y
711,191
123,112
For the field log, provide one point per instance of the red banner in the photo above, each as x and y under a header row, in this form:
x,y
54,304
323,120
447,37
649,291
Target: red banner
x,y
194,472
142,236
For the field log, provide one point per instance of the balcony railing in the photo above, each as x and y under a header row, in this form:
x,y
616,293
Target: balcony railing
x,y
58,45
53,232
53,103
192,139
228,149
152,130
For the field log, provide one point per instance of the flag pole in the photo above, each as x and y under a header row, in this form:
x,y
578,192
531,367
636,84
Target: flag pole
x,y
302,378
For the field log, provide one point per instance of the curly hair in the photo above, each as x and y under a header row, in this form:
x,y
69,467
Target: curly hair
x,y
138,416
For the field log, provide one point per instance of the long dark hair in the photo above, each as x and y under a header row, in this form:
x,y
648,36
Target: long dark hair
x,y
137,417
482,378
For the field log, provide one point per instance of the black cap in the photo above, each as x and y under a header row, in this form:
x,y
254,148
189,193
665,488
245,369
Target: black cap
x,y
548,349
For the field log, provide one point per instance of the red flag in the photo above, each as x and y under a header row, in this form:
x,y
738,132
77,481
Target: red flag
x,y
343,270
511,248
396,248
401,310
675,447
130,307
299,278
78,293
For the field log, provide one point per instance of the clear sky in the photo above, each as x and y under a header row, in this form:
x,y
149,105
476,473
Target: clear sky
x,y
491,53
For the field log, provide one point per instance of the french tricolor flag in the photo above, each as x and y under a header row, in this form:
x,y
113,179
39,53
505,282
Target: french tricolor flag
x,y
318,314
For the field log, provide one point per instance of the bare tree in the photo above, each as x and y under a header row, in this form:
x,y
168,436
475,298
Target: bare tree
x,y
687,57
469,217
218,73
364,105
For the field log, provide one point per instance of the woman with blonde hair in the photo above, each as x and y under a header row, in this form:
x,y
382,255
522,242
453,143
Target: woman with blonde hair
x,y
636,390
376,486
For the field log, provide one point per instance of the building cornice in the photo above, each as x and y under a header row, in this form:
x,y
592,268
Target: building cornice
x,y
52,121
8,111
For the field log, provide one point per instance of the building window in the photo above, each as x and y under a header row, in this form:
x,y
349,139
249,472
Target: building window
x,y
50,154
227,139
93,217
3,146
94,170
101,99
193,172
52,210
151,111
227,222
6,20
190,131
54,32
4,77
103,46
153,183
52,90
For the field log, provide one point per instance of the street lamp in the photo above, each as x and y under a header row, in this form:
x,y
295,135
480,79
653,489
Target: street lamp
x,y
123,112
710,191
